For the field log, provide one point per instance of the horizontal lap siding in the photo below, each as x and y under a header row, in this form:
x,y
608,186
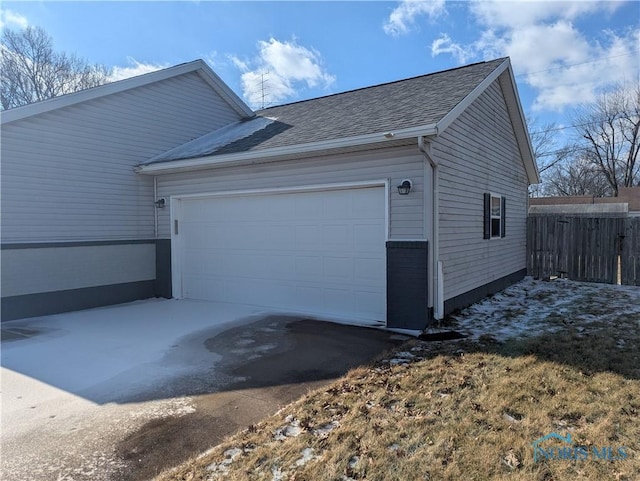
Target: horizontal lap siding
x,y
68,174
406,212
478,153
50,269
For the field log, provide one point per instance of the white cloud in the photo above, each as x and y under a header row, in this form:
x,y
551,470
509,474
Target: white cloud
x,y
11,19
515,13
402,18
133,69
549,52
239,64
444,44
279,71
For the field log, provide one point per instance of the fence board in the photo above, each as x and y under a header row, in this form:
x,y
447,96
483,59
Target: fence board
x,y
593,249
630,253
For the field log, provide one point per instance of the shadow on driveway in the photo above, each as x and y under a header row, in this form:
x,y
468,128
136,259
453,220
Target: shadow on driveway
x,y
235,364
264,366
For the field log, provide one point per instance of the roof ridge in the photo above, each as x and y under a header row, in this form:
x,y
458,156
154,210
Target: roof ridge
x,y
382,84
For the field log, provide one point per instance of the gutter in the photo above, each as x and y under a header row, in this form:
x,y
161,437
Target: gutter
x,y
257,156
437,283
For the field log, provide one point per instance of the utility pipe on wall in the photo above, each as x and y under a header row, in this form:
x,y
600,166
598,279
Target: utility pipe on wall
x,y
155,209
437,286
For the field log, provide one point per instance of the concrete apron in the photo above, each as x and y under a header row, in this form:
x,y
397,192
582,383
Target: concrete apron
x,y
265,366
242,374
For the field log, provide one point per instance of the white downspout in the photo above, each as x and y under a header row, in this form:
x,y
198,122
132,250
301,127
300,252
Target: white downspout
x,y
437,286
155,209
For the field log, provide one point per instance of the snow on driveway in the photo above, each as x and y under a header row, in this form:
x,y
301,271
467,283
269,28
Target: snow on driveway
x,y
69,391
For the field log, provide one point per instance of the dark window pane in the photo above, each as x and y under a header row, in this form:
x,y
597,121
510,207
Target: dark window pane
x,y
495,227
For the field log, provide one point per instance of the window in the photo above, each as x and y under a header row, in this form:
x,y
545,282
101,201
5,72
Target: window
x,y
494,216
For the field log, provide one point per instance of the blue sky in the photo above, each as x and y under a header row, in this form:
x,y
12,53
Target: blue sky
x,y
563,53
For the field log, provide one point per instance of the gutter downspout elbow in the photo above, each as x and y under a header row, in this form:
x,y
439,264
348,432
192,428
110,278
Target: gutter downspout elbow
x,y
437,285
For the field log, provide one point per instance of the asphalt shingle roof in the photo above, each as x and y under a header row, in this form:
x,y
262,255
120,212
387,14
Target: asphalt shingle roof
x,y
392,106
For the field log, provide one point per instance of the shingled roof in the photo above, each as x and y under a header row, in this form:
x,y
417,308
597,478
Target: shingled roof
x,y
389,107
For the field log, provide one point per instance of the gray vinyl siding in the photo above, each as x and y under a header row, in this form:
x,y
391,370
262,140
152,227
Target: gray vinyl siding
x,y
68,174
50,269
478,153
406,212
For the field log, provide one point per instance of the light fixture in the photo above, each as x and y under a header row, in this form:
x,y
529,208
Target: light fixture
x,y
405,187
161,203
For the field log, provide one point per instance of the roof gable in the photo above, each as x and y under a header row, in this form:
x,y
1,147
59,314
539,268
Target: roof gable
x,y
388,112
199,66
390,107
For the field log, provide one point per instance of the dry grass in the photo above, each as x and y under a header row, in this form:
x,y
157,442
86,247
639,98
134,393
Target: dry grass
x,y
454,411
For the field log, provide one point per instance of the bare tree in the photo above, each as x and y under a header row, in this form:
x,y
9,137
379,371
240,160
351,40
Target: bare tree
x,y
32,71
576,175
609,130
546,151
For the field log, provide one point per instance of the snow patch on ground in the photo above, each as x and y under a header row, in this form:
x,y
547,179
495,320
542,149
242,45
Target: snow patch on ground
x,y
230,456
307,455
533,307
324,430
290,430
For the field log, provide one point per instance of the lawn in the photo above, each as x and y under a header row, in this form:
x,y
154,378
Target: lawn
x,y
540,358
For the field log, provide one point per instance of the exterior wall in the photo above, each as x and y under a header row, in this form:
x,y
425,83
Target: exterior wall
x,y
47,269
407,219
67,176
478,153
407,284
59,277
407,295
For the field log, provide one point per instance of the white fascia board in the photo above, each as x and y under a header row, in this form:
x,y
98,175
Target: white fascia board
x,y
471,97
67,100
258,155
521,130
224,91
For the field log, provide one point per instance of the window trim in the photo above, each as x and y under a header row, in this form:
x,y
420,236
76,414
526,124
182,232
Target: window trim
x,y
489,217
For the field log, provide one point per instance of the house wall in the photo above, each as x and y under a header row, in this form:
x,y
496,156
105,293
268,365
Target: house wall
x,y
408,230
478,153
407,219
67,176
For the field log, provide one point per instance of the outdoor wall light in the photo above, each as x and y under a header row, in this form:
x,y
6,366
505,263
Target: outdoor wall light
x,y
161,203
405,187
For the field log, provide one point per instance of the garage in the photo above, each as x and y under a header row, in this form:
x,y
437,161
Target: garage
x,y
316,251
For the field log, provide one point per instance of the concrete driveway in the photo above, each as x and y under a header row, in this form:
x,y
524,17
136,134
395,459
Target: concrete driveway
x,y
123,392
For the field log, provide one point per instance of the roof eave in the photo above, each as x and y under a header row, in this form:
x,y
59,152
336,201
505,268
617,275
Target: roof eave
x,y
224,160
74,98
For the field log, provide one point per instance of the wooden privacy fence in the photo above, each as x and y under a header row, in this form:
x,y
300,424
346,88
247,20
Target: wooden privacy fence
x,y
592,249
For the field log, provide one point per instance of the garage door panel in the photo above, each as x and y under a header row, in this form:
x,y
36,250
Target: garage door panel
x,y
308,207
309,267
204,287
308,237
366,237
337,236
317,252
366,269
338,267
340,300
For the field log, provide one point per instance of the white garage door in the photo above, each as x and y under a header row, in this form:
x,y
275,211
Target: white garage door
x,y
315,252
